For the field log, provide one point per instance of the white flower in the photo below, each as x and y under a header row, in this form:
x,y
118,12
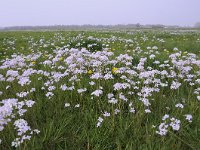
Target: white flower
x,y
97,93
16,142
51,88
100,120
132,110
32,90
36,131
67,104
152,56
92,83
77,106
198,97
179,105
49,94
81,90
147,111
7,87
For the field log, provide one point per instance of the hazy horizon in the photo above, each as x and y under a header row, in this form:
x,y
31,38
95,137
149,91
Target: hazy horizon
x,y
96,12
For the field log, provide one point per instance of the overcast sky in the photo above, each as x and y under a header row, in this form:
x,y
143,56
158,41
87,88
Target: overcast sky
x,y
67,12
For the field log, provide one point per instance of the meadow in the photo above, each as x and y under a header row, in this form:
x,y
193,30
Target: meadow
x,y
101,90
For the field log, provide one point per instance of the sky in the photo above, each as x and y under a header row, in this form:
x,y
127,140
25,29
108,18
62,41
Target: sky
x,y
105,12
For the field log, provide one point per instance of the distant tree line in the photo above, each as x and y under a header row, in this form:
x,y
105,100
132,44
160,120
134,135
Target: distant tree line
x,y
89,27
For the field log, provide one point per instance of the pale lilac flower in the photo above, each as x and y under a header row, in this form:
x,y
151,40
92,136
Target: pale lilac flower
x,y
175,85
188,117
117,111
163,129
175,124
166,116
106,114
97,93
29,103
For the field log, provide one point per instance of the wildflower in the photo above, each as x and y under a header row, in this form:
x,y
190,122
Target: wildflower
x,y
198,97
96,76
163,129
165,117
188,117
108,76
33,62
100,120
63,87
24,81
81,90
92,83
132,110
36,131
90,72
112,101
22,126
49,94
77,106
29,103
67,104
122,97
114,70
110,95
97,93
117,111
175,85
179,105
147,111
152,56
175,124
106,114
61,58
119,86
51,88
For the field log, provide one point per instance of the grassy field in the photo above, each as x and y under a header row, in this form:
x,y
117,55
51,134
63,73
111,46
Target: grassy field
x,y
105,90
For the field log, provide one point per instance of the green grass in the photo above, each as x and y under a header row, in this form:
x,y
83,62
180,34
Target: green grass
x,y
75,128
